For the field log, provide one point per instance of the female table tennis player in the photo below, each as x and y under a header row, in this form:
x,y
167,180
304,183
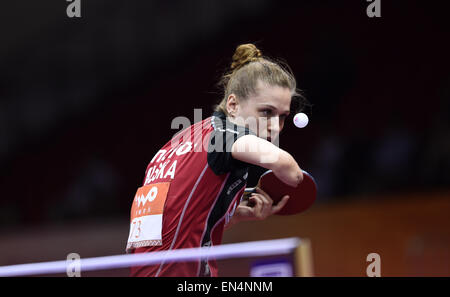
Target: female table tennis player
x,y
194,184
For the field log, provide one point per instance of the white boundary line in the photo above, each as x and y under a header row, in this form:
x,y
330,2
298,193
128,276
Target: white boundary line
x,y
236,250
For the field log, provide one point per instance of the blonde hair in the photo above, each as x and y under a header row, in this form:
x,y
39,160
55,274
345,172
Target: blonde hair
x,y
247,68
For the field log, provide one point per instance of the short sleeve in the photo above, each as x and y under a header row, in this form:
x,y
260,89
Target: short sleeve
x,y
221,141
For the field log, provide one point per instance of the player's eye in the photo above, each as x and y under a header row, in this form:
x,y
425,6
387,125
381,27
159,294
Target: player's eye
x,y
266,112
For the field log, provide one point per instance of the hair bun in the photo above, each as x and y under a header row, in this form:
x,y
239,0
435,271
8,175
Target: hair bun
x,y
244,54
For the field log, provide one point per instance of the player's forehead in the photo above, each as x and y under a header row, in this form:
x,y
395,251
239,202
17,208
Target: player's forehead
x,y
276,101
274,97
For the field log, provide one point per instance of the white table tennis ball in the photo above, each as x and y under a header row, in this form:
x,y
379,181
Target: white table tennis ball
x,y
301,120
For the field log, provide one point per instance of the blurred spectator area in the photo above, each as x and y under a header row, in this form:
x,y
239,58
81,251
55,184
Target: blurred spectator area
x,y
86,103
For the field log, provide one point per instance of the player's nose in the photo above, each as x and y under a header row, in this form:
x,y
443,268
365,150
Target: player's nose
x,y
274,129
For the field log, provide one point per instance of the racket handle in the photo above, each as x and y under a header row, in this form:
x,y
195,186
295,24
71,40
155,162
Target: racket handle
x,y
248,192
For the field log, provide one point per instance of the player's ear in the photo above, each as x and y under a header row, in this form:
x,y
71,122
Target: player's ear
x,y
232,105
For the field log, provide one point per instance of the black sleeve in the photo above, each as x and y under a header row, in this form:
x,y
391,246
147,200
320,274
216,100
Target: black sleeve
x,y
219,150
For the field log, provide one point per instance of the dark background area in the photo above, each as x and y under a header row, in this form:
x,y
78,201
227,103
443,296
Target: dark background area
x,y
86,103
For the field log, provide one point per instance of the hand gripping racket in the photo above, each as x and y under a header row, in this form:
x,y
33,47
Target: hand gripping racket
x,y
300,197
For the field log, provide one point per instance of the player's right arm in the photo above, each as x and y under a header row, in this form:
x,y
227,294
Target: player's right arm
x,y
257,151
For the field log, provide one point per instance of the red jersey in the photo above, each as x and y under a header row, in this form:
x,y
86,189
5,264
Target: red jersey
x,y
192,187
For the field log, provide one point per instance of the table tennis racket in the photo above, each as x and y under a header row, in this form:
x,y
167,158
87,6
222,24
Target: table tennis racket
x,y
301,197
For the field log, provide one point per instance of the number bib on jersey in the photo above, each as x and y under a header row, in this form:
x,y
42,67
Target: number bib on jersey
x,y
146,216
